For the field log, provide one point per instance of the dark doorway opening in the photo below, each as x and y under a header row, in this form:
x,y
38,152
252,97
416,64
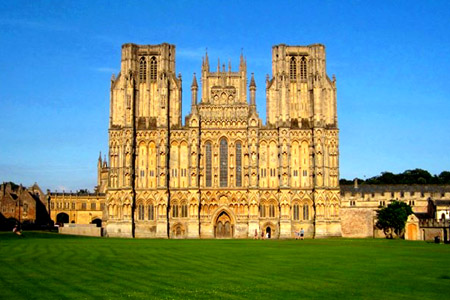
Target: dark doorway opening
x,y
97,222
268,232
62,218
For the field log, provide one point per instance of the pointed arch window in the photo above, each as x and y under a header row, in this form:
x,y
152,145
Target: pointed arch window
x,y
238,164
208,165
303,68
305,212
153,68
141,212
150,214
296,212
293,68
142,69
223,162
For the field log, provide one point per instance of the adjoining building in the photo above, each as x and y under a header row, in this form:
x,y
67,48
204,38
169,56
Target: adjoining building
x,y
27,206
430,204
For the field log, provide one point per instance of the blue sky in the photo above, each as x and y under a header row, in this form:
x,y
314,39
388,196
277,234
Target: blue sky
x,y
391,60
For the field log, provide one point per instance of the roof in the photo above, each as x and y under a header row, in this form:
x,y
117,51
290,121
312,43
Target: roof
x,y
380,188
442,202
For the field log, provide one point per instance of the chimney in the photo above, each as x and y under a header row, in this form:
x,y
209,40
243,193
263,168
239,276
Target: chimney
x,y
355,183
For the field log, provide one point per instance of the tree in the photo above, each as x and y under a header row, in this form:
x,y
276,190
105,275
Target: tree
x,y
392,219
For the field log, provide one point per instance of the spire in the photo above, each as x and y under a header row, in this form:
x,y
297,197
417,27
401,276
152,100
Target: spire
x,y
242,60
205,65
194,82
229,65
100,157
105,164
218,65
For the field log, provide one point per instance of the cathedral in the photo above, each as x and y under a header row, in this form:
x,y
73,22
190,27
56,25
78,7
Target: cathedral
x,y
224,173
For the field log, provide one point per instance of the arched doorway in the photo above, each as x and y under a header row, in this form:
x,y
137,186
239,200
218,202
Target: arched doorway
x,y
223,227
268,232
97,222
62,218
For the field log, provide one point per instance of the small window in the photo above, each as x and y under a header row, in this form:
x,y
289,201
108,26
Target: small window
x,y
83,206
93,206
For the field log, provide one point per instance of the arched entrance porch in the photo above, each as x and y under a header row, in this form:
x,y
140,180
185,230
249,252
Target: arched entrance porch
x,y
223,226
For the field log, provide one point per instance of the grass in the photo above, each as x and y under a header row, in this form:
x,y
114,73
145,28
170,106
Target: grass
x,y
52,266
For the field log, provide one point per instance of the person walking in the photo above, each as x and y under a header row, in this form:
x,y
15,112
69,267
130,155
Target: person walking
x,y
302,233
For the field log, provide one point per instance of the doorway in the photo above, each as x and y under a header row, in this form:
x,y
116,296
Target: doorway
x,y
223,228
268,232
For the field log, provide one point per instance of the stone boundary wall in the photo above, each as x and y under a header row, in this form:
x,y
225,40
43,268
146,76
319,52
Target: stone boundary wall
x,y
357,222
80,229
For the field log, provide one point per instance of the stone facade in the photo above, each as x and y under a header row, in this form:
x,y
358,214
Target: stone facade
x,y
223,173
79,208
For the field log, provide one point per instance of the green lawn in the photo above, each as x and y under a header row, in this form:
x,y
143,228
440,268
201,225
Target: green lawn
x,y
51,266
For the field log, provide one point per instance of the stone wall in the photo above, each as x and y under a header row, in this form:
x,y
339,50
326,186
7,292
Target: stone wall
x,y
357,222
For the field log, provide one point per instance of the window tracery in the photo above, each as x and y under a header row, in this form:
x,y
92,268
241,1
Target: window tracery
x,y
208,166
238,164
